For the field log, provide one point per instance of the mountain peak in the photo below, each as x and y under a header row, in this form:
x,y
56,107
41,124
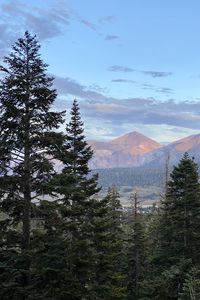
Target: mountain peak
x,y
135,142
187,143
131,134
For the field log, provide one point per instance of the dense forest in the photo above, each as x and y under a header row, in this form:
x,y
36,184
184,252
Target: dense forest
x,y
137,176
58,240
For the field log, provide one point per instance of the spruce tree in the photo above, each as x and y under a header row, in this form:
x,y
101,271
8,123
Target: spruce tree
x,y
26,126
135,250
76,186
191,286
108,243
178,230
51,273
180,223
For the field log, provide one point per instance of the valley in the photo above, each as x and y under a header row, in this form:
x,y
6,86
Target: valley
x,y
135,150
136,163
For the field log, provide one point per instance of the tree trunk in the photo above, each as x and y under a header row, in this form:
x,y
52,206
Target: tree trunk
x,y
27,201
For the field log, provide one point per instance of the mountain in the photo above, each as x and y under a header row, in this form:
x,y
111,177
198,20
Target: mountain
x,y
187,144
124,151
134,150
175,151
135,143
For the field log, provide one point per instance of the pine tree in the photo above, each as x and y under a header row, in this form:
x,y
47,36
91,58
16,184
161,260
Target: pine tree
x,y
135,250
76,186
52,276
191,286
152,281
180,226
108,243
26,125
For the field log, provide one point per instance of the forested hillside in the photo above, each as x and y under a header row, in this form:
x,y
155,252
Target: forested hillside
x,y
78,246
132,177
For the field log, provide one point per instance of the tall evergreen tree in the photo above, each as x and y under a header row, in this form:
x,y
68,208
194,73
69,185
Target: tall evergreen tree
x,y
135,250
76,186
26,126
191,286
180,226
177,232
52,277
108,241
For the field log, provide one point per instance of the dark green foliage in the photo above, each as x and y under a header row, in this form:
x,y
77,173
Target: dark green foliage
x,y
51,269
177,230
137,176
75,187
180,222
26,125
135,250
75,182
191,285
108,243
77,247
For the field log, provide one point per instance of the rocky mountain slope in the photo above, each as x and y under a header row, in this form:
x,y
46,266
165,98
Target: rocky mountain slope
x,y
175,151
135,150
125,151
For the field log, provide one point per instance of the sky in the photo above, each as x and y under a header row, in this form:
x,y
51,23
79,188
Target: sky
x,y
133,65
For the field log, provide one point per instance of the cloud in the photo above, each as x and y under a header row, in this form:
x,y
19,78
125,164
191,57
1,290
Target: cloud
x,y
164,90
120,80
7,38
45,22
96,104
148,86
117,68
148,115
99,89
106,19
67,86
145,111
88,24
111,37
154,74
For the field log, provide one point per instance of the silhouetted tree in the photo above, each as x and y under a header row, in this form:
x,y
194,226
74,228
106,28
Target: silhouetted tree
x,y
26,124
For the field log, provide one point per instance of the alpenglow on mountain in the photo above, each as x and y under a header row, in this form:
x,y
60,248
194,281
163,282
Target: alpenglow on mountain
x,y
134,150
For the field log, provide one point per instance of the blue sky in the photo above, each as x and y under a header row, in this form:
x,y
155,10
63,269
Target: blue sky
x,y
132,64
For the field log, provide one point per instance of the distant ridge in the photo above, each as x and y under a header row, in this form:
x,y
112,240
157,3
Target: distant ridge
x,y
175,150
135,149
124,151
135,143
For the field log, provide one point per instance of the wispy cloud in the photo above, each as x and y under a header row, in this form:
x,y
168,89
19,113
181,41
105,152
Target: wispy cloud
x,y
99,89
154,74
111,37
146,86
106,19
117,68
146,111
46,23
67,86
120,80
88,24
164,90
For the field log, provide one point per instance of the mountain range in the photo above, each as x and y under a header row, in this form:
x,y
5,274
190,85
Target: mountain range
x,y
135,149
